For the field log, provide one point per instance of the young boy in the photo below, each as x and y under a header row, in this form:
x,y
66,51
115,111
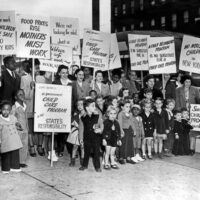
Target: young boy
x,y
161,126
115,84
148,95
90,129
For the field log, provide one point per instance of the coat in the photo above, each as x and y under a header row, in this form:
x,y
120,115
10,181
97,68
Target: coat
x,y
105,90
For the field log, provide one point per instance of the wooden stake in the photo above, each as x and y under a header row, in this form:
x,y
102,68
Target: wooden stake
x,y
52,148
163,86
142,79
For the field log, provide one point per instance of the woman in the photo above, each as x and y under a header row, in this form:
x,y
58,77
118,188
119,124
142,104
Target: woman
x,y
186,94
98,86
62,79
170,86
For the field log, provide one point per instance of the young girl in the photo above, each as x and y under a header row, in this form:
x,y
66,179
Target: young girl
x,y
111,137
9,140
125,119
139,134
149,129
73,136
123,93
19,111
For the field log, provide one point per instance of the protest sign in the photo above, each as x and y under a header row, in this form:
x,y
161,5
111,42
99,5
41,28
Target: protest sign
x,y
65,31
195,116
114,58
76,60
60,55
138,49
7,33
161,55
52,108
190,54
33,37
96,47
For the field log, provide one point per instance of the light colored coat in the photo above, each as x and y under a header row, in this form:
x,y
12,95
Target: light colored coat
x,y
105,90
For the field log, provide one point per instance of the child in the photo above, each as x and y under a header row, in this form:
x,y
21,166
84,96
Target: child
x,y
115,83
125,119
168,144
90,129
123,93
111,137
161,126
178,133
100,104
148,95
93,94
19,111
149,129
135,97
139,133
186,127
9,140
73,136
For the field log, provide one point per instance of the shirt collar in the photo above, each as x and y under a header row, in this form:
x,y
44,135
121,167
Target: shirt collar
x,y
18,105
5,118
9,71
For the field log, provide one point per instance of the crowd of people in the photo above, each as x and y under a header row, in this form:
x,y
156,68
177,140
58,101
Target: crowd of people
x,y
114,118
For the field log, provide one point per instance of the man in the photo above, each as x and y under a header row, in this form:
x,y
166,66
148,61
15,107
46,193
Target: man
x,y
10,81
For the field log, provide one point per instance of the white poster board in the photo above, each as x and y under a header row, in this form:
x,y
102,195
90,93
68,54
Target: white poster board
x,y
52,108
190,54
65,31
7,33
195,116
138,49
114,58
96,49
33,37
161,55
76,60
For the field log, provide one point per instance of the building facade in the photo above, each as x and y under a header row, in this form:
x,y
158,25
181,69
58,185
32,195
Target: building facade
x,y
171,15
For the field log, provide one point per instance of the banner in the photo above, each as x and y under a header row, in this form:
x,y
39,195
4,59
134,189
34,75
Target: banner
x,y
190,54
138,49
114,58
33,37
161,55
96,47
52,108
7,33
65,31
60,55
195,116
76,60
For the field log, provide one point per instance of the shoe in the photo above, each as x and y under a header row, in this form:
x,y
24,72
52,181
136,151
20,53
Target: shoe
x,y
134,159
23,165
82,168
32,151
54,157
5,172
160,156
15,170
139,158
72,163
107,167
144,157
192,152
114,166
60,154
122,161
40,150
98,170
130,161
150,157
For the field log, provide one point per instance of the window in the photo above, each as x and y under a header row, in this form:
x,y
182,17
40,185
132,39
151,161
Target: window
x,y
141,4
124,28
174,21
123,8
163,22
132,7
153,23
141,25
132,27
116,11
186,17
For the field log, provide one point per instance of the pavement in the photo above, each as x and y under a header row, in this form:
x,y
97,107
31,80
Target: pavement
x,y
171,178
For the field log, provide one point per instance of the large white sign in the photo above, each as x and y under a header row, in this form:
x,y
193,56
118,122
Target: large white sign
x,y
161,55
138,49
7,33
96,49
190,54
52,108
65,31
114,59
195,116
33,37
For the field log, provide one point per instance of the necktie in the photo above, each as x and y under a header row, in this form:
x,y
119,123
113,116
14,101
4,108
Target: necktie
x,y
13,74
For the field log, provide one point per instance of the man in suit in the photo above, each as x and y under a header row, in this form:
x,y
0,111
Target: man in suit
x,y
10,81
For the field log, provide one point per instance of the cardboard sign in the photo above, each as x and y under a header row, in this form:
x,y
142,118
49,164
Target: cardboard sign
x,y
195,116
138,49
76,60
114,58
65,31
161,55
190,54
33,37
60,55
52,108
96,49
7,33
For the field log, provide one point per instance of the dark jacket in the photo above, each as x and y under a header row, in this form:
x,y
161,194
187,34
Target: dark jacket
x,y
156,93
